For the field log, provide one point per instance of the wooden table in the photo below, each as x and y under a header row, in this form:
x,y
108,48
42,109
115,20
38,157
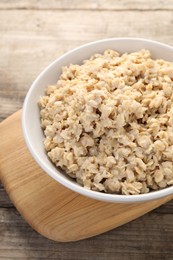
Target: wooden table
x,y
32,34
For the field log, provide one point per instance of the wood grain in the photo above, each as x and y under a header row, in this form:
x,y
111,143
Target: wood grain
x,y
4,199
38,37
133,241
25,49
53,210
88,5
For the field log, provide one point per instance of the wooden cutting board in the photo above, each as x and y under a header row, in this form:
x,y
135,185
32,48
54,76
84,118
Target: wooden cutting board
x,y
51,209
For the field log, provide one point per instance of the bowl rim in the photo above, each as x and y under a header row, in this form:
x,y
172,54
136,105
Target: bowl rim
x,y
107,197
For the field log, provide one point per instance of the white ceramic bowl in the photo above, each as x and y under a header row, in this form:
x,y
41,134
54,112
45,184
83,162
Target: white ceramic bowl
x,y
31,120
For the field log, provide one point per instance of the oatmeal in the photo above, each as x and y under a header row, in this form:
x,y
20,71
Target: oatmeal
x,y
108,123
